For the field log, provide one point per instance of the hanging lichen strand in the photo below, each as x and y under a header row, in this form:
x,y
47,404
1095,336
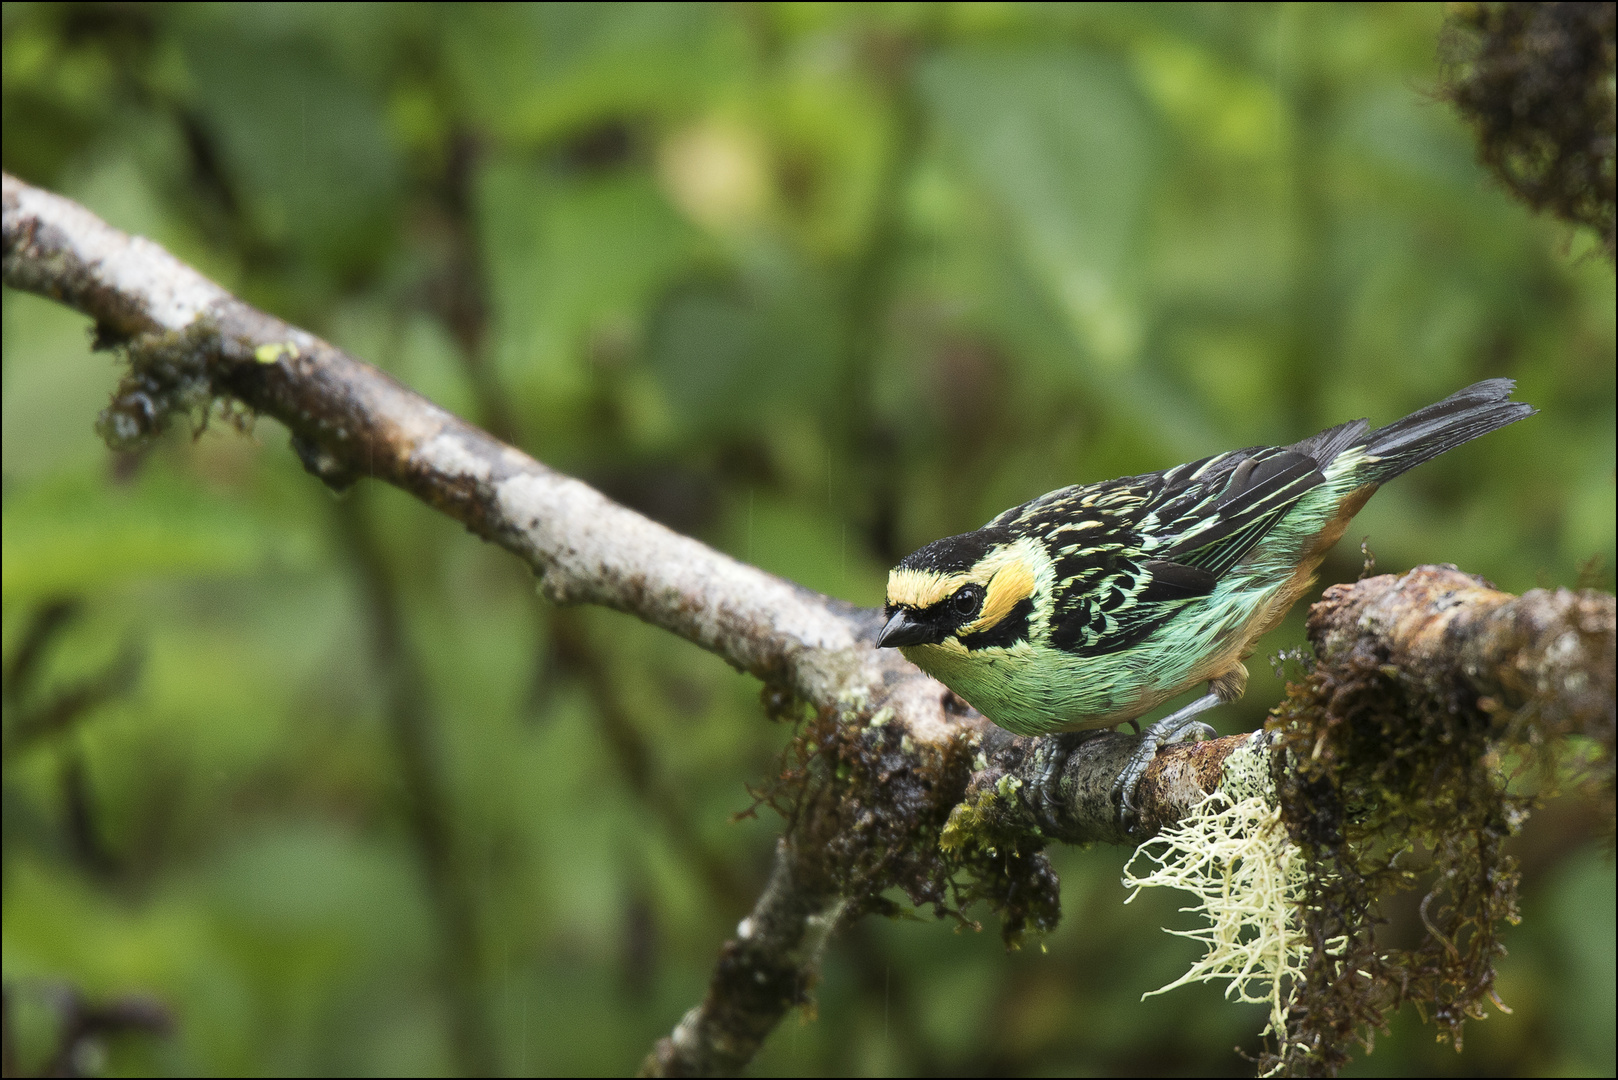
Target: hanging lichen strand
x,y
1248,878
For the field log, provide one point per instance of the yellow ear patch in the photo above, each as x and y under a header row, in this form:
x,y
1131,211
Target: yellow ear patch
x,y
1012,583
921,588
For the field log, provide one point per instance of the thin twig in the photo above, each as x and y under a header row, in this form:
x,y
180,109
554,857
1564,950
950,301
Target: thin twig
x,y
764,971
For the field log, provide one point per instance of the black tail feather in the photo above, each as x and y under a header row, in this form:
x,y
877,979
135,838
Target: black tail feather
x,y
1426,433
1325,446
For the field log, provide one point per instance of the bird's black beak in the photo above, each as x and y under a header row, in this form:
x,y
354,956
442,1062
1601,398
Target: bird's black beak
x,y
905,629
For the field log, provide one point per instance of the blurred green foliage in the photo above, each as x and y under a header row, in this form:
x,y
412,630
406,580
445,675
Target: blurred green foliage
x,y
815,283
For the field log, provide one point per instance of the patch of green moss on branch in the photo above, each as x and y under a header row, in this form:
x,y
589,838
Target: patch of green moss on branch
x,y
169,376
883,811
1389,791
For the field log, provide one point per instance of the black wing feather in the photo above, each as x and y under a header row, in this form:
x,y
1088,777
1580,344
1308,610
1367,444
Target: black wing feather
x,y
1206,515
1260,491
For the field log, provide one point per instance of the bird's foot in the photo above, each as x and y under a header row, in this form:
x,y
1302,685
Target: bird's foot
x,y
1173,728
1053,753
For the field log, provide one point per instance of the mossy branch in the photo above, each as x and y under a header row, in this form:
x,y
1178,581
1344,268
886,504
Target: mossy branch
x,y
894,782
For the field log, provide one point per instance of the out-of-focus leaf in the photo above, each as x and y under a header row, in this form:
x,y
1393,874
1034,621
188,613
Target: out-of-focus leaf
x,y
1067,145
532,71
1412,138
572,262
304,142
727,352
54,386
800,545
1582,906
308,880
76,536
1231,111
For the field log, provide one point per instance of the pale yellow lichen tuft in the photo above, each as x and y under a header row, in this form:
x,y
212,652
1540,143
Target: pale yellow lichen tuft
x,y
1248,878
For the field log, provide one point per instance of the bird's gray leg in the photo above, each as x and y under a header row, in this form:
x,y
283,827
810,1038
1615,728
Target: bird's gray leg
x,y
1053,752
1175,727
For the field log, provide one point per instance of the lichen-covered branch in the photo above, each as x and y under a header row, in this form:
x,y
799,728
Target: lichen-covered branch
x,y
189,340
1435,719
1077,805
895,782
767,969
1455,639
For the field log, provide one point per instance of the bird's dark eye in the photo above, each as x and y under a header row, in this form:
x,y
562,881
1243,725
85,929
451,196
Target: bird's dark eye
x,y
967,601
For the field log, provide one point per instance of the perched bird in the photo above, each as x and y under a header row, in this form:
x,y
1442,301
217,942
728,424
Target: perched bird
x,y
1091,605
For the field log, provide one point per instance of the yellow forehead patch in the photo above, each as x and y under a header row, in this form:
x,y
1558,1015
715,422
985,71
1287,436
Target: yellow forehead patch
x,y
1013,582
921,588
1006,574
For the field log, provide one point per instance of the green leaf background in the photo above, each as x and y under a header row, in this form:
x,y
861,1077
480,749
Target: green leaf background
x,y
817,284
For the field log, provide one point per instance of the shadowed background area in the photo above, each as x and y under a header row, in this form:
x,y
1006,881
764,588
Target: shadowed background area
x,y
298,784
